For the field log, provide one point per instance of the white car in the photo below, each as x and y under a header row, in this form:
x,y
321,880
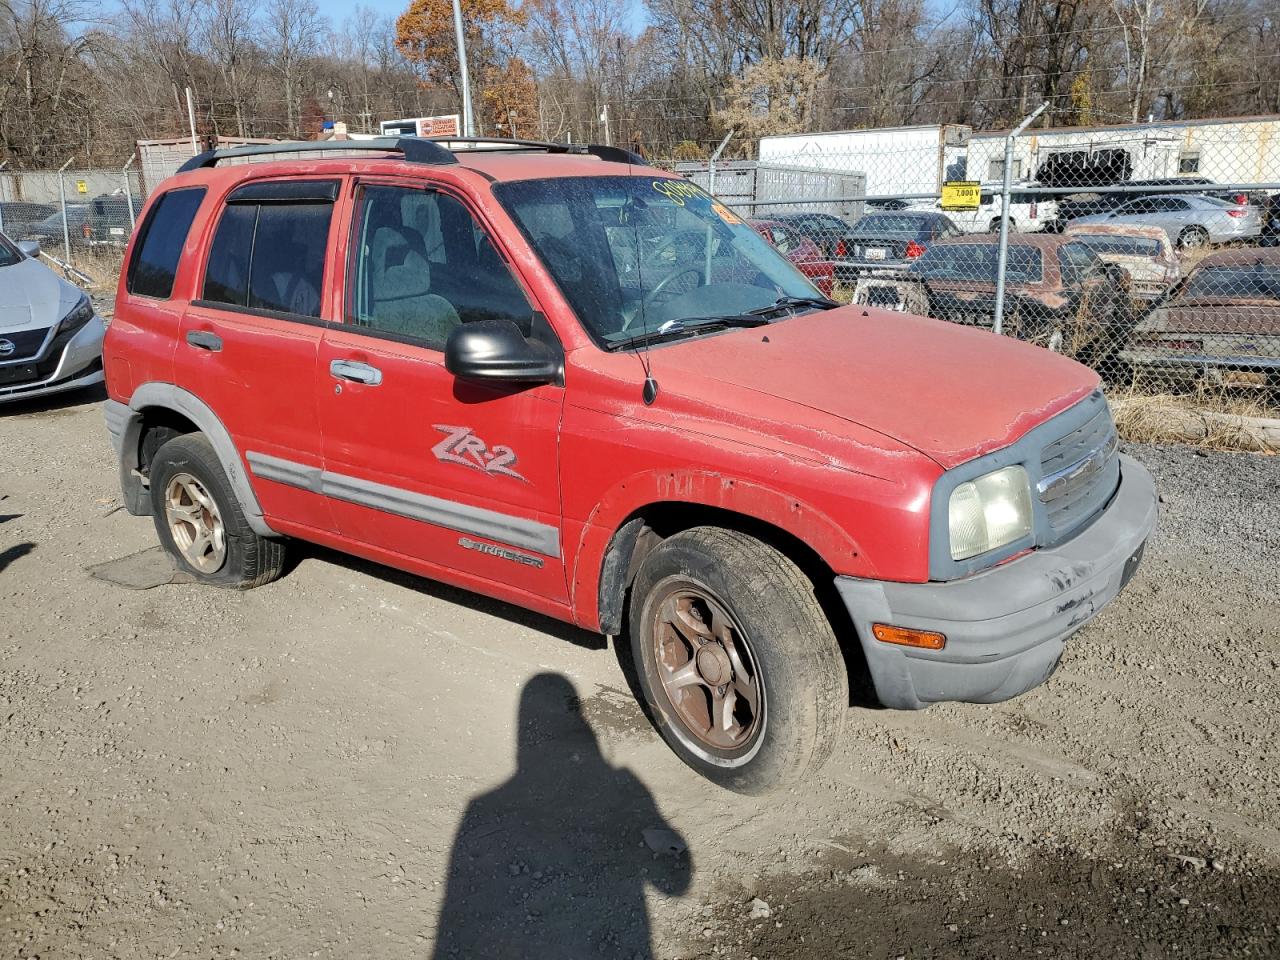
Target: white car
x,y
50,337
1028,213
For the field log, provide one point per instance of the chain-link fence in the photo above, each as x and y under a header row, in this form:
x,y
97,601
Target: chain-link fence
x,y
1149,251
82,218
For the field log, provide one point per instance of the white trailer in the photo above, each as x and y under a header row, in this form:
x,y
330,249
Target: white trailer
x,y
1239,150
895,160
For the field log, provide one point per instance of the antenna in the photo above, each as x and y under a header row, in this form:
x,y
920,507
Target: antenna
x,y
649,392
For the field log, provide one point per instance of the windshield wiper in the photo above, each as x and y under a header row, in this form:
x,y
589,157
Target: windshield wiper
x,y
783,302
684,326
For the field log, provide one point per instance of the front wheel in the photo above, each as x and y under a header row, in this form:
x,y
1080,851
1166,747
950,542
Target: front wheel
x,y
199,520
736,659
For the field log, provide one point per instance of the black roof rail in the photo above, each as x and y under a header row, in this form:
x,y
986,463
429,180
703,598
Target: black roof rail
x,y
414,149
612,154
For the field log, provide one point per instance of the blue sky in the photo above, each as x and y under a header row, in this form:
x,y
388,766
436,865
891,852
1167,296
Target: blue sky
x,y
339,10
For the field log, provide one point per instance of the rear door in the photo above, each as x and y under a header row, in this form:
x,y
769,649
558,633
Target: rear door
x,y
452,474
248,344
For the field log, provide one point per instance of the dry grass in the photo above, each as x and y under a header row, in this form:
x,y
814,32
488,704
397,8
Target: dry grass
x,y
1215,419
102,265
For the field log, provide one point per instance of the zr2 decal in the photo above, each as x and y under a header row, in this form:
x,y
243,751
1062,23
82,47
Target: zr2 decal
x,y
462,446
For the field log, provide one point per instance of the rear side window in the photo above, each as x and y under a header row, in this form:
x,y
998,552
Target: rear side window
x,y
268,252
160,242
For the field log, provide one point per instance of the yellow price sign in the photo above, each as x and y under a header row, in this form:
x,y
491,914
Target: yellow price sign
x,y
961,195
82,186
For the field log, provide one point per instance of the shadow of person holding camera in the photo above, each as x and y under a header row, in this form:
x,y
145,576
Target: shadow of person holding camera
x,y
553,864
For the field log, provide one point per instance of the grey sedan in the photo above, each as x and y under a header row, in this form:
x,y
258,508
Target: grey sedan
x,y
50,338
1189,220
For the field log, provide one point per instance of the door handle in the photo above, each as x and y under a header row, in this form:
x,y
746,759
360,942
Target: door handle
x,y
204,340
356,372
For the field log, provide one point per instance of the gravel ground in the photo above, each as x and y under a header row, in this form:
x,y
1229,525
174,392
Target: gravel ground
x,y
352,762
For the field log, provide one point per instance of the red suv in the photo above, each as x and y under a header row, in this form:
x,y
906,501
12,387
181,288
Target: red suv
x,y
564,379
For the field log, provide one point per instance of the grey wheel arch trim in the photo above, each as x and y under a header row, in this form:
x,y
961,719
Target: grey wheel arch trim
x,y
125,424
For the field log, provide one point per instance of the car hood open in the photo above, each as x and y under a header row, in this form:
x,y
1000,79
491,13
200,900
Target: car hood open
x,y
950,392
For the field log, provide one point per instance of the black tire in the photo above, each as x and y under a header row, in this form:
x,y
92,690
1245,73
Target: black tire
x,y
1193,238
246,560
994,225
783,638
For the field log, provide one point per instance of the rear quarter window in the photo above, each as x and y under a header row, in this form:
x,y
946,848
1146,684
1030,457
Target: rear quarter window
x,y
154,263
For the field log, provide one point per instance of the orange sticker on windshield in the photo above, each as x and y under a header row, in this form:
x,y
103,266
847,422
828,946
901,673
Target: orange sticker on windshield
x,y
724,213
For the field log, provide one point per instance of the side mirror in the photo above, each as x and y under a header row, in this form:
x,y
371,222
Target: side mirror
x,y
495,351
30,247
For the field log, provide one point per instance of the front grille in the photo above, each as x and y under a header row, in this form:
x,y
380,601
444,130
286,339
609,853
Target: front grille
x,y
1079,473
26,344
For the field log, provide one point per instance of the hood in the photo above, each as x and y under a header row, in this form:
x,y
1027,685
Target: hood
x,y
33,297
950,392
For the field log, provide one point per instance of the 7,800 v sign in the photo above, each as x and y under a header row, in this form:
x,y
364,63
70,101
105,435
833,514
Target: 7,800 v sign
x,y
961,195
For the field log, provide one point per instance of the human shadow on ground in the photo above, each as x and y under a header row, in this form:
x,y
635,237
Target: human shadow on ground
x,y
554,862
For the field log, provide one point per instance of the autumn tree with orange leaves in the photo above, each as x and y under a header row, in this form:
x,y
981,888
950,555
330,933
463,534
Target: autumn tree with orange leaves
x,y
504,88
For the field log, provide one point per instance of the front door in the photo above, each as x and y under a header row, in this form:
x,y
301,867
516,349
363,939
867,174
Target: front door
x,y
456,475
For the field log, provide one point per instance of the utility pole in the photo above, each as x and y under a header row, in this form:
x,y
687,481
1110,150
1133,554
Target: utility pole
x,y
608,137
191,119
468,112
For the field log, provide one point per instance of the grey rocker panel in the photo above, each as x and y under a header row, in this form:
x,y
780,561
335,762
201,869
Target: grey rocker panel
x,y
501,527
125,424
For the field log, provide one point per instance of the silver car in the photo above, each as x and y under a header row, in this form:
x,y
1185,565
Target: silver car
x,y
1189,220
50,337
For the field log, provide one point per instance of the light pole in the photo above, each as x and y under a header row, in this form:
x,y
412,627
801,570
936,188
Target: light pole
x,y
468,114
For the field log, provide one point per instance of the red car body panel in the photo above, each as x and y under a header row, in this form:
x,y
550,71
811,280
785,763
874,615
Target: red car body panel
x,y
831,426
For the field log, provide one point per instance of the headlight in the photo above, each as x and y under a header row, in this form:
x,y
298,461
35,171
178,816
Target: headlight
x,y
77,317
989,512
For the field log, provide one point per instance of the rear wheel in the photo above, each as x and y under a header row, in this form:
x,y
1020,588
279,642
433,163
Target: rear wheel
x,y
994,225
199,521
1193,238
736,659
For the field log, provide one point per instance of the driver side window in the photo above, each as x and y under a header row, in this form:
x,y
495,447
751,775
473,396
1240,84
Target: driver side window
x,y
421,265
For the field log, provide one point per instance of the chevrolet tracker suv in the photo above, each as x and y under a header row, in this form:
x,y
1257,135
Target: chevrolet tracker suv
x,y
581,385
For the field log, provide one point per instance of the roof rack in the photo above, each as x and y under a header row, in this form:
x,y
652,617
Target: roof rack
x,y
414,149
430,150
612,154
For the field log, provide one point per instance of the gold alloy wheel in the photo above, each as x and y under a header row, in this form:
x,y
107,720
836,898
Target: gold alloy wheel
x,y
707,670
194,523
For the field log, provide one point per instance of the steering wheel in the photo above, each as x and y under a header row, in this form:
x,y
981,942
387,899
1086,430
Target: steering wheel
x,y
651,297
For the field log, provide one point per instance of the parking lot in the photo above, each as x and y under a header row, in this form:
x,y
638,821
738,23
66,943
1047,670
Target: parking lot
x,y
354,762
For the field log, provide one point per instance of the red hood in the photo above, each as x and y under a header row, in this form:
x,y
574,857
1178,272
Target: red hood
x,y
950,392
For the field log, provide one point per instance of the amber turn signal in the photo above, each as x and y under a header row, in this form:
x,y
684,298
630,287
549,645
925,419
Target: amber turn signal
x,y
907,637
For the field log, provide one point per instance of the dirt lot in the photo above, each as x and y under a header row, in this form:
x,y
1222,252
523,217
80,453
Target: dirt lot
x,y
355,763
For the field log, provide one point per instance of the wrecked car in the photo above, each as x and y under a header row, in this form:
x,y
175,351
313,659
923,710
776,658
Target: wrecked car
x,y
1145,253
1221,324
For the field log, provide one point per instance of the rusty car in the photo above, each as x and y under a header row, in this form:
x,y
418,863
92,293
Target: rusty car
x,y
1221,324
1145,253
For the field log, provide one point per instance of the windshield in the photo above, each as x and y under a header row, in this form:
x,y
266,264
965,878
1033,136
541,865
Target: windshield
x,y
1255,282
977,261
9,254
632,253
1121,246
1075,260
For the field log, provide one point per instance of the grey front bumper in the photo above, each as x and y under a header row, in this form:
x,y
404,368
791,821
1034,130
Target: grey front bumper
x,y
1005,627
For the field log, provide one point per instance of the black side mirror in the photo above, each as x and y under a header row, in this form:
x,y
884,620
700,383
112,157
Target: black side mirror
x,y
496,351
